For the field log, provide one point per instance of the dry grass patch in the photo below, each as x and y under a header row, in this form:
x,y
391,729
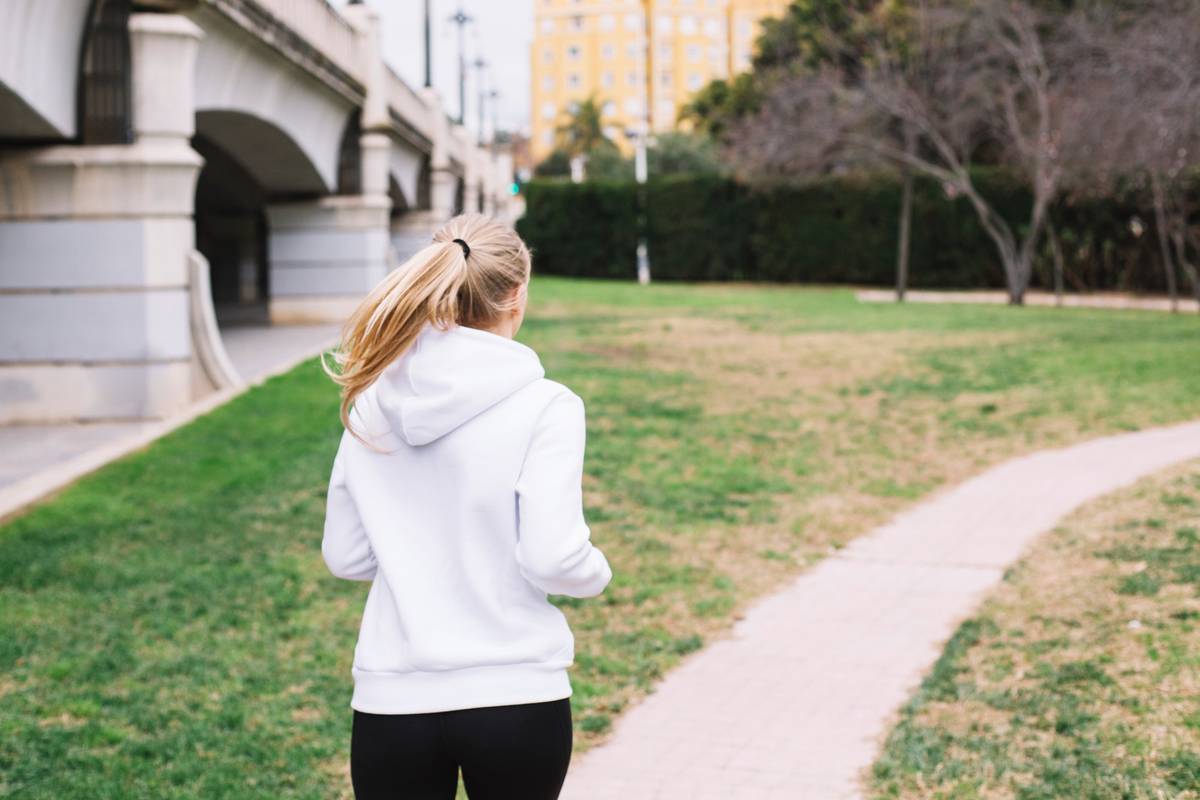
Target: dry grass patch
x,y
732,446
1081,675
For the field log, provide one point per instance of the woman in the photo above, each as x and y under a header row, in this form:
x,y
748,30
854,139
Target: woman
x,y
457,491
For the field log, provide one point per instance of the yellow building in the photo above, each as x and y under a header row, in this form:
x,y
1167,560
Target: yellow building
x,y
628,53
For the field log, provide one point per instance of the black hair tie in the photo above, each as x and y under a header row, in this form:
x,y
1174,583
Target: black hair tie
x,y
466,247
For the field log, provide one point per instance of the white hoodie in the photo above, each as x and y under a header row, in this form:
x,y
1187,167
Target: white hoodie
x,y
469,517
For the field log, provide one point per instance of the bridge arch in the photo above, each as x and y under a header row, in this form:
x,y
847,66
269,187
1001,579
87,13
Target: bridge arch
x,y
40,48
241,82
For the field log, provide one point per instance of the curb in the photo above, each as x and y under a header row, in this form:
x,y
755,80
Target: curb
x,y
21,496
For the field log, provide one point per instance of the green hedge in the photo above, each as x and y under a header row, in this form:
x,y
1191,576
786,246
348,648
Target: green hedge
x,y
837,230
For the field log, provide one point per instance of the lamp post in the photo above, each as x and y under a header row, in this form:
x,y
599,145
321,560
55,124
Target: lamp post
x,y
641,168
460,19
428,49
480,66
494,96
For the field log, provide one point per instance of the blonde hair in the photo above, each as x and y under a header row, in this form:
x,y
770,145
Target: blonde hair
x,y
441,285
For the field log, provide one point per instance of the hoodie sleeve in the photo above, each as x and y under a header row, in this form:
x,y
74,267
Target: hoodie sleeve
x,y
345,547
554,551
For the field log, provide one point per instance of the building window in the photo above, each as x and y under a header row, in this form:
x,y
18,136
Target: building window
x,y
745,29
611,132
549,111
631,79
633,22
573,52
666,108
548,138
631,51
688,26
573,80
608,22
695,81
668,79
547,27
667,52
573,107
632,107
548,83
547,56
608,52
665,24
576,23
694,53
714,53
609,109
606,80
712,27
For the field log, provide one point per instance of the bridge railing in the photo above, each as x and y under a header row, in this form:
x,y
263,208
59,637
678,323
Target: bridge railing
x,y
405,102
323,28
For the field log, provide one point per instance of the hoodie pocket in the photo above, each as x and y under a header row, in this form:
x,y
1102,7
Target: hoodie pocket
x,y
381,640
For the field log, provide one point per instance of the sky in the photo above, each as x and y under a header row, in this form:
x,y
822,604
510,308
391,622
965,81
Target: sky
x,y
501,33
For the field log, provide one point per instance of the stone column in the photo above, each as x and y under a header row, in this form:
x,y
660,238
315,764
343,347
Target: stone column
x,y
414,230
94,243
471,170
327,255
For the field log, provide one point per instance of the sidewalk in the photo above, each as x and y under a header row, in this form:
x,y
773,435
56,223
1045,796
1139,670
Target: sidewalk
x,y
1105,300
795,704
37,459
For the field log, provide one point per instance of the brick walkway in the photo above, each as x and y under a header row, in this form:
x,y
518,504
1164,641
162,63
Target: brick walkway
x,y
795,703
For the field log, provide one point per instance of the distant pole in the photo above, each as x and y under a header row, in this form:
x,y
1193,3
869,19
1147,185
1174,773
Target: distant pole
x,y
480,66
428,49
460,19
494,96
641,168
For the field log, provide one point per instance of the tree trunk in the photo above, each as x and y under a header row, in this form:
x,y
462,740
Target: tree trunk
x,y
1183,237
910,147
1056,250
1188,267
1160,222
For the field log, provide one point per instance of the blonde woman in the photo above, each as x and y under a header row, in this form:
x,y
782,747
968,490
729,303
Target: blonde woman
x,y
457,491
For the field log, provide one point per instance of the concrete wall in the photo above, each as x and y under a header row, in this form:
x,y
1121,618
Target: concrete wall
x,y
40,43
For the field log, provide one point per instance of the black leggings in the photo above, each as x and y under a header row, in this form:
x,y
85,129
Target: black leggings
x,y
506,753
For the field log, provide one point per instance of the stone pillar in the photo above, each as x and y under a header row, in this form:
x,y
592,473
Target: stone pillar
x,y
504,172
471,170
327,255
94,248
414,230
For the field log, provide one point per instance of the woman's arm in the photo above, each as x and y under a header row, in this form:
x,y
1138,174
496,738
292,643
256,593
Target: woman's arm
x,y
346,549
553,550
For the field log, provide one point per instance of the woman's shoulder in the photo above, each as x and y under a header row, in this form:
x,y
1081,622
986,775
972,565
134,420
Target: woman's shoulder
x,y
548,394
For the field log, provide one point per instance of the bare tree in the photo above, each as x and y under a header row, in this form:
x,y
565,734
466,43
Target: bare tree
x,y
992,71
1145,126
906,198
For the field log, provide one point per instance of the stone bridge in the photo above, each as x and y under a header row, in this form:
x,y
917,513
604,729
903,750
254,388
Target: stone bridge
x,y
168,163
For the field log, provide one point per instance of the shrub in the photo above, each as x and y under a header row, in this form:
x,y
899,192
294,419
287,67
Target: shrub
x,y
837,230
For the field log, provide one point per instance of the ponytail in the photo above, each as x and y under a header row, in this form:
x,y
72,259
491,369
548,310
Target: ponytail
x,y
465,277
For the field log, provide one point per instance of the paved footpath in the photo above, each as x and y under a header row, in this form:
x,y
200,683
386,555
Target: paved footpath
x,y
796,702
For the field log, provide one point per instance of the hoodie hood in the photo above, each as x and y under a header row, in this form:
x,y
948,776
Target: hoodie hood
x,y
448,378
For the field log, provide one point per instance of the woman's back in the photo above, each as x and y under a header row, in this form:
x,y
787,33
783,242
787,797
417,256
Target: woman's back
x,y
470,504
457,490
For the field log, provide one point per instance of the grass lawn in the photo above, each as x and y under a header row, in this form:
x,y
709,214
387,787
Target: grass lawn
x,y
1080,677
167,628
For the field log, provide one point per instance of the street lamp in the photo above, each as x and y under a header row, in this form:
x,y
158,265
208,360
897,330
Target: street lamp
x,y
480,66
428,49
641,169
460,19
